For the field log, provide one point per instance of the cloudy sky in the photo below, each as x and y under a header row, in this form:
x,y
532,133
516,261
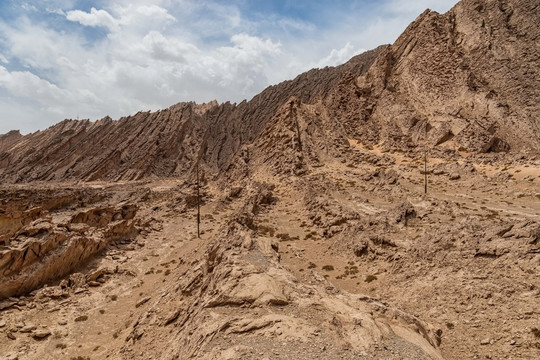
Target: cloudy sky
x,y
87,59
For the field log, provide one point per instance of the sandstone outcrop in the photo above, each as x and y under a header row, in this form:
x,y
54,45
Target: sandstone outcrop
x,y
44,244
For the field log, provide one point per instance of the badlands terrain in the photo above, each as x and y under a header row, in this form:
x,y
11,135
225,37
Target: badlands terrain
x,y
318,238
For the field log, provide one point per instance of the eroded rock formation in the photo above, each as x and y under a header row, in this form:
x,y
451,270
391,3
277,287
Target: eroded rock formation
x,y
466,80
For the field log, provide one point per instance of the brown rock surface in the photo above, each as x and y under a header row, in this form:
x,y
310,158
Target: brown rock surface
x,y
318,240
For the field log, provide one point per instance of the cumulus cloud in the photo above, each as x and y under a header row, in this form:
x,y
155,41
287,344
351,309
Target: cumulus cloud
x,y
158,47
94,18
339,56
24,83
155,11
37,47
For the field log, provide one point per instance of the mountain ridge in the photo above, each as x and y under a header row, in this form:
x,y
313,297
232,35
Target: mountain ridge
x,y
445,83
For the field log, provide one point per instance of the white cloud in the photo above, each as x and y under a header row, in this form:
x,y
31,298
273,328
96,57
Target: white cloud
x,y
294,24
158,47
339,56
37,47
56,11
24,83
155,11
94,18
418,6
3,59
28,7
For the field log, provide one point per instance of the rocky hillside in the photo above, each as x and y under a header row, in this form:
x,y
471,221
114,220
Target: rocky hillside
x,y
160,144
466,81
318,238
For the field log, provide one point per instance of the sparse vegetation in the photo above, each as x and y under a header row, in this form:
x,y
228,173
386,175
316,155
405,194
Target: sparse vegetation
x,y
450,325
328,267
81,318
535,332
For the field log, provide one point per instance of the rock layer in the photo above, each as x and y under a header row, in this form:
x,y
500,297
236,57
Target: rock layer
x,y
42,246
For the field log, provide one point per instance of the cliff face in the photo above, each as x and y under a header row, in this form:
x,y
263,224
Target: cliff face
x,y
466,80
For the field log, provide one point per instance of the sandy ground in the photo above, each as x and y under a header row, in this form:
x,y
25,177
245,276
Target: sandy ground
x,y
486,306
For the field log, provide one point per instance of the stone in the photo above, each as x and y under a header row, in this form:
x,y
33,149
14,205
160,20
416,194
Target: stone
x,y
28,328
6,304
41,333
143,301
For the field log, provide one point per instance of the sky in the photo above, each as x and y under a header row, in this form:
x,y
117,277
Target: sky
x,y
79,59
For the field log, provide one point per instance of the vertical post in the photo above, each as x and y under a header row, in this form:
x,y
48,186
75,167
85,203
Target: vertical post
x,y
198,205
425,157
425,171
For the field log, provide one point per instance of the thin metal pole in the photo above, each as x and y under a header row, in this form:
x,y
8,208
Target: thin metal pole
x,y
425,172
198,205
425,159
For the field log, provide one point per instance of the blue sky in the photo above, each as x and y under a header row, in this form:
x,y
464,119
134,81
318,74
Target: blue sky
x,y
88,59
